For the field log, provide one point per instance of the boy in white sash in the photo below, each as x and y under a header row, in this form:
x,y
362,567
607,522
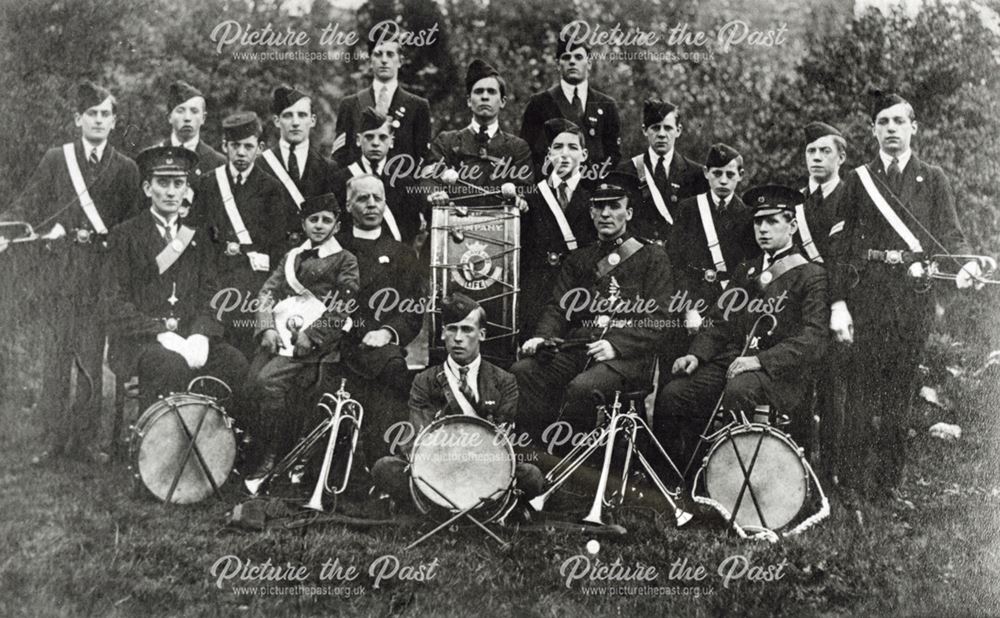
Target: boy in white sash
x,y
294,341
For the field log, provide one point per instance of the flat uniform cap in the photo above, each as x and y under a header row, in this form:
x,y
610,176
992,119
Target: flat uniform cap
x,y
89,94
772,199
478,69
284,97
179,92
655,110
320,203
166,161
455,307
240,125
719,155
815,130
555,126
614,186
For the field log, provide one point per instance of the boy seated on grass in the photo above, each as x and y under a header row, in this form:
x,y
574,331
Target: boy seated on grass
x,y
303,313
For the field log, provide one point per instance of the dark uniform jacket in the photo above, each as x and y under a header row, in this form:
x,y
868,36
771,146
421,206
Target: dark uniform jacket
x,y
137,297
688,248
601,123
332,279
684,179
646,276
821,216
411,137
315,179
400,198
878,294
431,396
505,158
389,277
263,209
800,338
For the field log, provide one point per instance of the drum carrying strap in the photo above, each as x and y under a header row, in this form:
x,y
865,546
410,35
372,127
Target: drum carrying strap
x,y
284,178
86,202
230,204
887,212
708,225
387,215
621,254
463,402
779,268
166,258
558,214
643,172
808,245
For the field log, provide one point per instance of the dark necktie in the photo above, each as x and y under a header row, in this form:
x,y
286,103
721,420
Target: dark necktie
x,y
660,175
562,195
894,174
463,385
577,104
293,164
816,197
168,235
239,180
483,137
92,159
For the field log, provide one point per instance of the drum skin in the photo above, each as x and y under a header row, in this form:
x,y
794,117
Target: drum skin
x,y
778,478
463,458
159,444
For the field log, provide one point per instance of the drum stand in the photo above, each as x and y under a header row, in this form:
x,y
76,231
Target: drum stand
x,y
466,512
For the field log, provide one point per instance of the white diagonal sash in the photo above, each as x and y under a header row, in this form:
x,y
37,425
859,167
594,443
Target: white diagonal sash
x,y
887,212
86,202
462,400
229,202
283,177
708,225
807,240
643,173
557,212
166,258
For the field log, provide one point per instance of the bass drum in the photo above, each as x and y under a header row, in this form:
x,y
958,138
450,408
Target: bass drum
x,y
159,443
777,470
459,463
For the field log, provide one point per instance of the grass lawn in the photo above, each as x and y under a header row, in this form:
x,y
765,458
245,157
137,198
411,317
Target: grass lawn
x,y
76,542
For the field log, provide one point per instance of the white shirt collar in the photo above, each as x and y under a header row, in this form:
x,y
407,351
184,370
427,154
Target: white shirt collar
x,y
391,85
163,223
301,149
491,129
329,247
827,187
87,147
581,91
768,258
472,379
375,234
903,159
718,200
555,180
191,144
246,174
655,158
367,166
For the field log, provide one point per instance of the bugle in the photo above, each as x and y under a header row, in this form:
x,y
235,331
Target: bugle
x,y
987,265
22,231
344,409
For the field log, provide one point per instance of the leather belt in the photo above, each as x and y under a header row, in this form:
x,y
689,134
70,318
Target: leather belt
x,y
890,256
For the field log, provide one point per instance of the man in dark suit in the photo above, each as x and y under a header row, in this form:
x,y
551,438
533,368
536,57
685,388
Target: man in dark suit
x,y
413,133
403,216
894,209
603,319
666,176
558,219
481,154
573,99
785,285
712,234
186,113
300,168
464,384
78,193
158,288
389,316
248,222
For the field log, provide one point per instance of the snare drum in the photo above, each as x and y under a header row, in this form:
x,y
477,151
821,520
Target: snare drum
x,y
462,462
159,442
778,476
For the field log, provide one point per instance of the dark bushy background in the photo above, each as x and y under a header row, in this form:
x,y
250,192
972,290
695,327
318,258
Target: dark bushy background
x,y
944,59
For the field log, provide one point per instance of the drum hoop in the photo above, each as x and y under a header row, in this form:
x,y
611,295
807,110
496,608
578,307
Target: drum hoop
x,y
163,405
425,504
